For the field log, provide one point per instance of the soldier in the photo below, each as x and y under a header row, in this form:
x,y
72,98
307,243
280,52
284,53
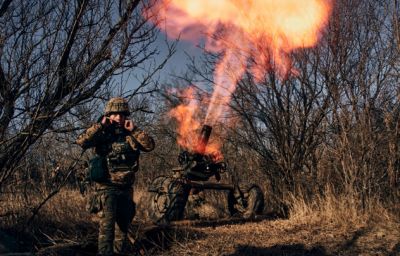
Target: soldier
x,y
117,142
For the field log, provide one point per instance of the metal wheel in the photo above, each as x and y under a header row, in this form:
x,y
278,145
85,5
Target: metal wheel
x,y
168,199
246,202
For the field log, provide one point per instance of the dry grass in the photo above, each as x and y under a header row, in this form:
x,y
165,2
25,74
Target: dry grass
x,y
62,218
66,206
142,200
329,225
338,209
285,237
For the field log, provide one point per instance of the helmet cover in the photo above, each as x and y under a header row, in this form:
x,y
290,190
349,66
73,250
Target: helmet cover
x,y
117,105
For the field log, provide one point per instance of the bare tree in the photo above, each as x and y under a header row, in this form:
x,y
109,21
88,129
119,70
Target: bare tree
x,y
282,122
335,123
57,56
362,67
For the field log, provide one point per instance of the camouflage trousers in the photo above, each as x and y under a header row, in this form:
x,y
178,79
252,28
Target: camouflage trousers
x,y
117,212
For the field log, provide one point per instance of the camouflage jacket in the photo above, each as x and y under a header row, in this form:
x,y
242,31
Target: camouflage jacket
x,y
120,148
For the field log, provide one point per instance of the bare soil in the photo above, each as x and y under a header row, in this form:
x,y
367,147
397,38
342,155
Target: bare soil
x,y
282,237
214,234
265,237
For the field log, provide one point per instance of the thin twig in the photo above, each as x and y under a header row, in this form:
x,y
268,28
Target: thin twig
x,y
70,169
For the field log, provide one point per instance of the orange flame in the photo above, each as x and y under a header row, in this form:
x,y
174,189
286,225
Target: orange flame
x,y
188,117
252,35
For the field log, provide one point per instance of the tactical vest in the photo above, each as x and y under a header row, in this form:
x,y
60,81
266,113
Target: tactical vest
x,y
122,160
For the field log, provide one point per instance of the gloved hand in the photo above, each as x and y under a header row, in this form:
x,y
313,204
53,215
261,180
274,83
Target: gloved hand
x,y
129,125
107,123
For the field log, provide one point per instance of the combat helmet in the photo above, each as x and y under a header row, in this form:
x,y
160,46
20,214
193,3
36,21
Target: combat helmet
x,y
117,105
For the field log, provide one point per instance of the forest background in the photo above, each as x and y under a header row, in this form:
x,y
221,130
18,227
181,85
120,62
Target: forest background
x,y
324,141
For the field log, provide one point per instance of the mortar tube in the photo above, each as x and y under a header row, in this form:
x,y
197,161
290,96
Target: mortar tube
x,y
202,141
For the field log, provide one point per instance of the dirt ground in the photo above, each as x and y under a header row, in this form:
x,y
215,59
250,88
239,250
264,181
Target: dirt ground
x,y
263,237
215,234
281,237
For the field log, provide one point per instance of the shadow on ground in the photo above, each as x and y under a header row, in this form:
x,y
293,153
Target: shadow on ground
x,y
153,239
277,250
146,240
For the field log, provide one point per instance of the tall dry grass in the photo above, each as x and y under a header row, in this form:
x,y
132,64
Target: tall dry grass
x,y
62,218
338,209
